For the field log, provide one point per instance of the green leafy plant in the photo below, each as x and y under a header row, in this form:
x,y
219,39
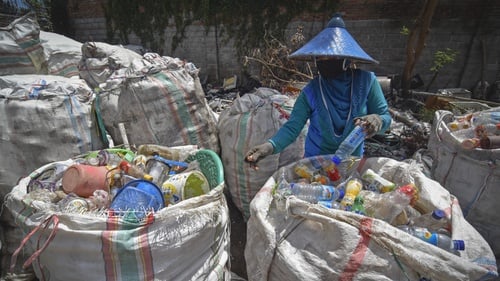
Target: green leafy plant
x,y
441,58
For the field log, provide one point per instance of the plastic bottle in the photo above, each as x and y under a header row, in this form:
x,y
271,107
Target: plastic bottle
x,y
485,117
134,171
358,207
303,171
387,206
158,170
330,204
315,192
331,170
350,143
440,240
376,182
489,142
352,189
433,221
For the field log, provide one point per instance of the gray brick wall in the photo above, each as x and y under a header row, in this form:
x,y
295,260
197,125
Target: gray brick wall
x,y
380,38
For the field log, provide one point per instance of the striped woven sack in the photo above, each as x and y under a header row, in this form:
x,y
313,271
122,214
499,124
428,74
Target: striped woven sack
x,y
291,239
185,241
20,49
251,120
159,100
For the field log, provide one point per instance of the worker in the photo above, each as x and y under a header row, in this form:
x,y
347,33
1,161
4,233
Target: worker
x,y
334,101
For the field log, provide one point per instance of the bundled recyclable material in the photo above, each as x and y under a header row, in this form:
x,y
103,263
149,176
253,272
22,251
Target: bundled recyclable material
x,y
469,169
137,230
375,235
158,100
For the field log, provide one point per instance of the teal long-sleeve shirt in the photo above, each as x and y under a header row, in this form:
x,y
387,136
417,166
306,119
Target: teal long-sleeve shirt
x,y
331,105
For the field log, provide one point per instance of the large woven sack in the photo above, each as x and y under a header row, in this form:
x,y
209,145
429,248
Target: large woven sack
x,y
291,239
185,241
63,54
44,118
21,51
159,100
473,175
252,120
100,60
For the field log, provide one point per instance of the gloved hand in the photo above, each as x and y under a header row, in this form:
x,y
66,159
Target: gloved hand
x,y
371,123
258,152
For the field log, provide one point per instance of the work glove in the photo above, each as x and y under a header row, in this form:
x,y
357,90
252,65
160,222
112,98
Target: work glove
x,y
258,152
371,123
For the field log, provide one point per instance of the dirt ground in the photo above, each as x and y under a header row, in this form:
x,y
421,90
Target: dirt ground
x,y
238,240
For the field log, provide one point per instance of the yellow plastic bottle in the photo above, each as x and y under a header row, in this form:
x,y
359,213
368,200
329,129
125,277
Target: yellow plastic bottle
x,y
352,189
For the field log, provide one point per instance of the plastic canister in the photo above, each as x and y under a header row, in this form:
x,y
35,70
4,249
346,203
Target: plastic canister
x,y
158,170
184,185
83,180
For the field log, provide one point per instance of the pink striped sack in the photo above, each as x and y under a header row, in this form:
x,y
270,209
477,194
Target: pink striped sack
x,y
291,239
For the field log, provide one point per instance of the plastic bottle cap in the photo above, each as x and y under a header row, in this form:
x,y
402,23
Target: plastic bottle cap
x,y
341,194
459,245
336,159
438,214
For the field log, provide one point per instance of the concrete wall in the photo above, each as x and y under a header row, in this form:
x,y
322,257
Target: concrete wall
x,y
460,25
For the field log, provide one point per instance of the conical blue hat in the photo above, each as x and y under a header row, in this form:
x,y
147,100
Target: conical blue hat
x,y
334,41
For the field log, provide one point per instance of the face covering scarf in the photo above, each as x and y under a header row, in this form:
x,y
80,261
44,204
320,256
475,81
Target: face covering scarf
x,y
331,68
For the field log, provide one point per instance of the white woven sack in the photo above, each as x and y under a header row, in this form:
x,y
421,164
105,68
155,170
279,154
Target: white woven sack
x,y
186,241
472,175
159,100
251,120
295,240
45,118
63,54
100,60
21,51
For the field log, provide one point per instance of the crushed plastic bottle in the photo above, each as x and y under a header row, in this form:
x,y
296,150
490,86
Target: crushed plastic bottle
x,y
387,206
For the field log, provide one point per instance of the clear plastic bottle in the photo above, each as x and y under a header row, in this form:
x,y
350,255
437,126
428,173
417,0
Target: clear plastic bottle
x,y
315,192
158,170
440,240
433,221
350,143
387,206
485,117
331,169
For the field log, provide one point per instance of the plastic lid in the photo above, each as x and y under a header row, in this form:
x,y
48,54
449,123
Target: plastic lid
x,y
438,214
459,245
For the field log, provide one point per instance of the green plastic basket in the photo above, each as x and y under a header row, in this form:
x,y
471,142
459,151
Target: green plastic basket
x,y
210,166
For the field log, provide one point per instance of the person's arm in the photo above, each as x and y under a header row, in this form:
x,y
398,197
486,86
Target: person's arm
x,y
289,132
377,104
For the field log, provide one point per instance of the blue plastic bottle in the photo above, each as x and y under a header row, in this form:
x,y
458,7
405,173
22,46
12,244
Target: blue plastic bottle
x,y
350,143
